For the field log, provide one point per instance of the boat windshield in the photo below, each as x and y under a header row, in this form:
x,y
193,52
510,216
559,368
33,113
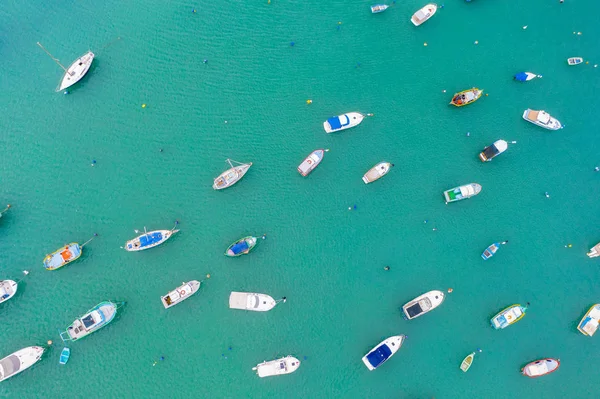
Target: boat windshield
x,y
414,310
9,365
92,319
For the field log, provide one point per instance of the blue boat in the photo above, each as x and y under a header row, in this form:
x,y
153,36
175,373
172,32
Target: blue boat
x,y
382,352
492,249
149,240
241,246
64,355
526,76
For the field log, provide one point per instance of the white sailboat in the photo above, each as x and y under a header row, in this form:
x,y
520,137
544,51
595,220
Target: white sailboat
x,y
75,72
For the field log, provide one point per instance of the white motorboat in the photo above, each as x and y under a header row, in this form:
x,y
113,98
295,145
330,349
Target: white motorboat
x,y
342,122
180,294
594,251
8,288
542,119
285,365
251,301
492,151
540,367
76,71
21,360
377,8
311,162
574,60
462,192
383,351
423,14
423,304
231,175
377,172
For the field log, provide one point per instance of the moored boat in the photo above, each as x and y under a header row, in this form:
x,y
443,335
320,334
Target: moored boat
x,y
242,246
508,316
377,172
423,14
231,175
76,71
468,361
491,250
525,76
62,256
285,365
423,304
574,60
462,192
466,97
343,122
377,8
8,289
19,361
540,367
542,119
181,293
492,151
383,351
594,251
149,240
589,323
311,162
252,301
65,354
94,319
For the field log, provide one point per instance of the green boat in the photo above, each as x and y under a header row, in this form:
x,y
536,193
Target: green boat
x,y
93,320
242,246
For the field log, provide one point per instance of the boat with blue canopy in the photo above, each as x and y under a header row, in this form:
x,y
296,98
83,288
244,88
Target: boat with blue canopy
x,y
94,319
492,249
383,351
242,246
65,355
508,316
149,239
342,122
65,255
526,76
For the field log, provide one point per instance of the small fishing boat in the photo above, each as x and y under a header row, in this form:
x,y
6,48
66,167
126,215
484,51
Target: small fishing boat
x,y
311,162
377,8
343,122
423,14
285,365
149,240
65,355
231,175
466,97
525,76
574,60
19,361
8,289
594,251
462,192
468,361
542,119
93,320
251,301
541,367
423,304
492,151
589,323
377,172
241,246
62,256
508,316
180,294
383,351
492,249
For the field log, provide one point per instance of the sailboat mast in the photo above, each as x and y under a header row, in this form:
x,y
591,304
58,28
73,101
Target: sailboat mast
x,y
51,56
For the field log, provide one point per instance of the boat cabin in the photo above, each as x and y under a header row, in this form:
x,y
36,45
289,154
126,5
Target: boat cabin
x,y
379,355
423,306
240,248
9,366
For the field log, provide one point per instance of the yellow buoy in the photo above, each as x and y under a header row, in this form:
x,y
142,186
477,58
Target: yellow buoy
x,y
309,101
143,105
49,342
425,44
208,276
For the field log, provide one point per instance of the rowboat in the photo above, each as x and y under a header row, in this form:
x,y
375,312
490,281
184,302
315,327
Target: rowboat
x,y
541,367
76,71
462,192
526,76
542,119
65,355
8,289
62,256
589,323
508,316
149,240
231,175
574,60
377,8
311,162
594,251
423,14
93,320
342,122
468,361
383,351
241,246
491,250
19,361
423,304
492,151
285,365
251,301
181,293
466,97
377,172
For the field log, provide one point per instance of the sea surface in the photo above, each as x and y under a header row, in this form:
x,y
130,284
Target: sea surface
x,y
248,102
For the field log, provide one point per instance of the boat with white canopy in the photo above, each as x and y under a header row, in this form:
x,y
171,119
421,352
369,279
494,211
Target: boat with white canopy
x,y
311,162
541,367
594,251
462,192
423,14
231,175
383,351
377,8
19,361
252,301
343,122
423,304
181,293
285,365
377,172
8,289
542,119
589,323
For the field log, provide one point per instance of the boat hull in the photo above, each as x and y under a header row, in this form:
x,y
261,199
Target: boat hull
x,y
594,251
63,256
467,362
342,122
541,119
8,289
76,71
508,317
574,60
539,368
285,365
490,251
20,361
311,162
180,294
423,304
243,246
231,176
78,329
589,323
65,355
379,355
423,15
149,240
251,301
377,172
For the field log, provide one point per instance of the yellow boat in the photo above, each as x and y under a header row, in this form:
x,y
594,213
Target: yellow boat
x,y
466,97
64,255
589,323
468,361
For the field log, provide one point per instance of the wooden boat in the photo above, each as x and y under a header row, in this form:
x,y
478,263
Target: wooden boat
x,y
377,8
94,319
149,240
180,294
242,246
492,151
311,162
343,122
423,304
383,351
462,192
62,256
542,119
508,316
589,323
285,365
574,60
231,175
541,367
377,172
65,355
423,14
8,289
466,97
468,361
19,361
525,76
594,251
491,250
251,301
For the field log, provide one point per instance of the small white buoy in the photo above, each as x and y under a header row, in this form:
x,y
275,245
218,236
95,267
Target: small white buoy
x,y
443,91
476,41
525,27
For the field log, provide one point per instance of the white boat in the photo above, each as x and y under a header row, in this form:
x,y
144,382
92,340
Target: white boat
x,y
423,14
231,175
462,192
149,240
76,71
251,301
542,119
8,288
574,60
589,323
540,367
311,162
423,304
383,351
285,365
343,122
379,8
526,76
492,151
377,172
594,251
180,294
21,360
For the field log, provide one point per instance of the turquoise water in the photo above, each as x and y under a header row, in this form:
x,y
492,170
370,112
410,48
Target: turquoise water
x,y
327,260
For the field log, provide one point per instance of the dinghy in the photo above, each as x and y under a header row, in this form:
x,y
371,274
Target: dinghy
x,y
574,60
251,301
542,119
19,361
589,323
311,162
242,246
285,365
231,175
492,249
377,172
466,97
423,14
149,240
508,316
383,351
75,72
377,8
93,320
343,122
594,251
525,76
462,192
468,361
492,151
541,367
180,294
8,289
65,355
62,256
423,304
